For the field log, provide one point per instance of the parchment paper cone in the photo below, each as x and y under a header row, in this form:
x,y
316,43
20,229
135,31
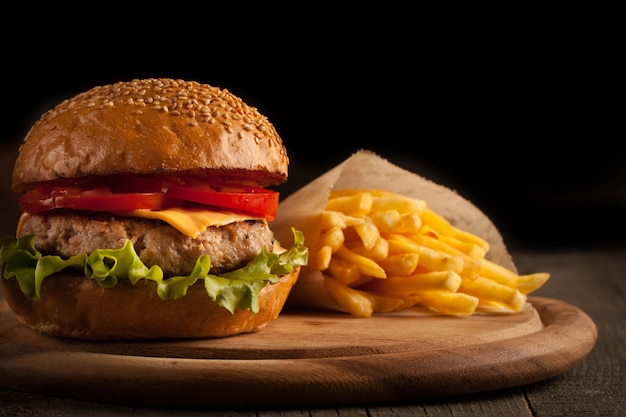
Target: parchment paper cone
x,y
365,169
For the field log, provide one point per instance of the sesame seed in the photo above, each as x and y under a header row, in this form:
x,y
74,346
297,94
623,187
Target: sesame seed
x,y
199,103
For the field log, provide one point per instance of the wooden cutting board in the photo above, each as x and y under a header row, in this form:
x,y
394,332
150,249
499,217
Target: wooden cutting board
x,y
306,358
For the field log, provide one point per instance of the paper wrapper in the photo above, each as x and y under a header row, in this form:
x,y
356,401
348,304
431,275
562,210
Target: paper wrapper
x,y
364,169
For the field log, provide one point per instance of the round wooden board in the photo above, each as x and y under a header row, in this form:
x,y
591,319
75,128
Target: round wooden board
x,y
306,358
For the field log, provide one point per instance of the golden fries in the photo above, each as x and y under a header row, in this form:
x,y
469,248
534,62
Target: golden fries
x,y
400,265
332,237
447,302
354,301
365,265
413,284
381,252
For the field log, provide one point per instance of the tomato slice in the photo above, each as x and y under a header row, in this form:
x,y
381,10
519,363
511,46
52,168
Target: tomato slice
x,y
134,193
99,199
256,201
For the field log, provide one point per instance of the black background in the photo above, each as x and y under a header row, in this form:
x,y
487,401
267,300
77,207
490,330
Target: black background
x,y
516,116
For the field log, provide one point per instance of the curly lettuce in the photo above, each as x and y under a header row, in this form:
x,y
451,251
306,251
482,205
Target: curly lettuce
x,y
237,289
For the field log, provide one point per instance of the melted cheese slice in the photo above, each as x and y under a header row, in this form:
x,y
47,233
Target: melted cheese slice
x,y
20,222
191,222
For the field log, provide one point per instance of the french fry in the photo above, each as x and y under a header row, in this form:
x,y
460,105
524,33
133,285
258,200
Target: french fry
x,y
436,222
400,265
410,300
333,238
368,232
469,248
387,220
353,205
382,252
447,302
355,302
321,259
439,261
493,306
332,218
498,273
469,237
399,244
378,252
383,303
401,286
365,265
395,202
471,266
484,288
345,272
518,301
431,259
529,283
409,223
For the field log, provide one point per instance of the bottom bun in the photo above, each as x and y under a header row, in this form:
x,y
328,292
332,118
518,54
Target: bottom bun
x,y
77,307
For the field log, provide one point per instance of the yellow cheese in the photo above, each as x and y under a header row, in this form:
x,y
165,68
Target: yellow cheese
x,y
191,222
20,222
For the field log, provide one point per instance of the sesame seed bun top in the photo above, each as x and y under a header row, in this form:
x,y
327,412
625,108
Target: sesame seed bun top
x,y
151,126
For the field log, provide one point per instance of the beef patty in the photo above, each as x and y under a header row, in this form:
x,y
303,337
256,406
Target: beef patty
x,y
157,243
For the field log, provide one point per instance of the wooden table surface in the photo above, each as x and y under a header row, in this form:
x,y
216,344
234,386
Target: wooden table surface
x,y
592,279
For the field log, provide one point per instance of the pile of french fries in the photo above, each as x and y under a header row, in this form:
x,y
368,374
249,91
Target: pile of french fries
x,y
381,252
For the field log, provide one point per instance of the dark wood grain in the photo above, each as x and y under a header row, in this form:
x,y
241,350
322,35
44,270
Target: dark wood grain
x,y
594,280
307,357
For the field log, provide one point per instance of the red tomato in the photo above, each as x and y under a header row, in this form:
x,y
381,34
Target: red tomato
x,y
99,199
253,200
131,193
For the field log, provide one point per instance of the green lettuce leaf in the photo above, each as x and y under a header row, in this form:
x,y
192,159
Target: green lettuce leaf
x,y
238,289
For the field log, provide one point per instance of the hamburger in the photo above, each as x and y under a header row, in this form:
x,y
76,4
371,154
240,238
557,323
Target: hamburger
x,y
146,210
